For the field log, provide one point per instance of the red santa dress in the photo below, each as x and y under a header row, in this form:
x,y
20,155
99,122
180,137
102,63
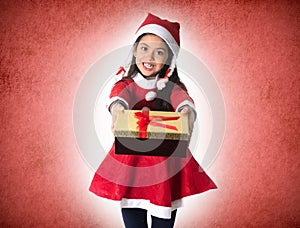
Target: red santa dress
x,y
154,183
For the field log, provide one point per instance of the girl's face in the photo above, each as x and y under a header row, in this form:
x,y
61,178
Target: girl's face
x,y
151,54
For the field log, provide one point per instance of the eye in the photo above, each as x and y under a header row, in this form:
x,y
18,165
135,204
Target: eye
x,y
160,52
143,48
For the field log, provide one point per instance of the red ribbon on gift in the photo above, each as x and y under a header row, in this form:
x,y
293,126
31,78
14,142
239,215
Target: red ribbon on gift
x,y
144,120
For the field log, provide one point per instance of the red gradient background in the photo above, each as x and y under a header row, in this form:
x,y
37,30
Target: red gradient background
x,y
251,47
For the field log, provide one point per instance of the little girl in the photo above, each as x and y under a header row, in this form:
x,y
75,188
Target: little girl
x,y
153,184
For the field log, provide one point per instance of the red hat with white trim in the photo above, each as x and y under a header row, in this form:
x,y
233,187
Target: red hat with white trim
x,y
169,32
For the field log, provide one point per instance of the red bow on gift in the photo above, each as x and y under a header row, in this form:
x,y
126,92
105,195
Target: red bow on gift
x,y
145,120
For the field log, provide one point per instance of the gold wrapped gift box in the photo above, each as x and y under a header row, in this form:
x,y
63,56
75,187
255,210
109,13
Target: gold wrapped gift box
x,y
152,133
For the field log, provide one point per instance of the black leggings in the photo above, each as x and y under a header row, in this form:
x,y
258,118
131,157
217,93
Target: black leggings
x,y
137,218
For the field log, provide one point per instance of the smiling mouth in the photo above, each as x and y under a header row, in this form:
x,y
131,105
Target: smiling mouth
x,y
148,66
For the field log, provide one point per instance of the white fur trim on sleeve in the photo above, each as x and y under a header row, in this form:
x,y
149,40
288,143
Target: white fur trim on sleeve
x,y
113,99
185,102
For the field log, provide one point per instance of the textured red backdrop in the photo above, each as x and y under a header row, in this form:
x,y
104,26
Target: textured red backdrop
x,y
251,47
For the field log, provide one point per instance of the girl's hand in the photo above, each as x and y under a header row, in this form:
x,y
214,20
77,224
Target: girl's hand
x,y
114,109
187,110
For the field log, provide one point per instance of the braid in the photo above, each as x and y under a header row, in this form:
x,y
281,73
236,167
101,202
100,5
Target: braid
x,y
163,102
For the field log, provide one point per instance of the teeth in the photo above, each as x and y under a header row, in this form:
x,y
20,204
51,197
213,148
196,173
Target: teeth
x,y
149,66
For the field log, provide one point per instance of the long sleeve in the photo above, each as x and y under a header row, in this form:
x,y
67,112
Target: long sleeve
x,y
180,98
120,92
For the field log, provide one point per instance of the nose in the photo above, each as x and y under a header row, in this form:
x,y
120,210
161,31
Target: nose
x,y
151,55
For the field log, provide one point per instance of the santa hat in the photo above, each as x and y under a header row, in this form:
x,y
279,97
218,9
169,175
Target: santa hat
x,y
169,32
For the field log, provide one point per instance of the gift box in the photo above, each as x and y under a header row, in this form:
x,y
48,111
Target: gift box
x,y
151,133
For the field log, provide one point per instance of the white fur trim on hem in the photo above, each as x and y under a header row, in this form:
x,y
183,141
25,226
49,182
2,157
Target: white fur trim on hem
x,y
153,209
